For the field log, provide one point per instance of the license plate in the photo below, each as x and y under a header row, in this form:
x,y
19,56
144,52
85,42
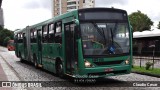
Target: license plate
x,y
108,69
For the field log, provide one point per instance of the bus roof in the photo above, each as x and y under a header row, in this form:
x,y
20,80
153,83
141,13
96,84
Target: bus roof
x,y
71,13
101,9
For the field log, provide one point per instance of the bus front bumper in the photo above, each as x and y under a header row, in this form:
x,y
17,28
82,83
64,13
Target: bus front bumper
x,y
97,72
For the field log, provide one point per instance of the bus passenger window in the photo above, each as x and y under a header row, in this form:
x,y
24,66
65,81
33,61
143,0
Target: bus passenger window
x,y
51,33
44,34
33,36
19,38
24,40
58,34
16,38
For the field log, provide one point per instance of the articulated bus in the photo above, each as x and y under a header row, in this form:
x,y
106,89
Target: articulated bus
x,y
90,42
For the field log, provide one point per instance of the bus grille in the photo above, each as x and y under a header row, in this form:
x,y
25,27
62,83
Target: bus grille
x,y
109,62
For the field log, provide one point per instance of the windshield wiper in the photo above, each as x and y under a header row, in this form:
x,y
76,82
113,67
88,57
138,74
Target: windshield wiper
x,y
111,35
104,37
112,32
99,31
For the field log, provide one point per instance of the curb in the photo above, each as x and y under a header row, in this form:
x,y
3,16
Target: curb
x,y
3,46
148,74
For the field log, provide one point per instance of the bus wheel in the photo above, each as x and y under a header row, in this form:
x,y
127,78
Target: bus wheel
x,y
35,61
59,70
21,60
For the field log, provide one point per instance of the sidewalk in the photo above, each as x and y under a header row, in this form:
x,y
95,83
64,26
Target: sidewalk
x,y
6,74
3,76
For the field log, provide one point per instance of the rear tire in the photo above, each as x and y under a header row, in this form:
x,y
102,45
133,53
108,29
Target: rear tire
x,y
59,70
21,60
35,61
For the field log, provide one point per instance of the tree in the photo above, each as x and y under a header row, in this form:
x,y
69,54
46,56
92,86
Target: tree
x,y
5,41
159,25
1,28
140,21
5,33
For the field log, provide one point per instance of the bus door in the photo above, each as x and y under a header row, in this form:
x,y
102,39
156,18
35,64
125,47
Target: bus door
x,y
44,46
69,47
39,38
24,46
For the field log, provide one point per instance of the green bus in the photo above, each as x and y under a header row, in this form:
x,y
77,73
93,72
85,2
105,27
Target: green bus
x,y
90,42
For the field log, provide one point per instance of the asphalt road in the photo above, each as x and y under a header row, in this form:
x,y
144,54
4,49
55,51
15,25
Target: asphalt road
x,y
17,71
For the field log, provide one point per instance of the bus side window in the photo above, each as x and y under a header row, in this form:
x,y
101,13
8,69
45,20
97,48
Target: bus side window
x,y
19,38
51,33
24,40
58,34
44,34
16,38
33,36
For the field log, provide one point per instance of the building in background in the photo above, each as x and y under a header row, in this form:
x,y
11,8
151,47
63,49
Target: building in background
x,y
63,6
1,15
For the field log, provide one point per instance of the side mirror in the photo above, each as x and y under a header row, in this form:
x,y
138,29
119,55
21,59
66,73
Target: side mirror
x,y
76,21
77,30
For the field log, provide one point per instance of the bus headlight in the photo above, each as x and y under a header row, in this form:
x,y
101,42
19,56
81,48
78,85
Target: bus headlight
x,y
87,64
127,61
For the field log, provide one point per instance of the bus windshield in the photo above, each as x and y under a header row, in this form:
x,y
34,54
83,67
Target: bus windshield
x,y
105,38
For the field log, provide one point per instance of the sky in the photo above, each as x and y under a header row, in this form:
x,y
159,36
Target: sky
x,y
21,13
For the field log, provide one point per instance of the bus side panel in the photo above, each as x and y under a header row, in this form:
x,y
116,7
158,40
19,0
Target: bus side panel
x,y
45,60
51,57
33,51
21,50
28,44
54,51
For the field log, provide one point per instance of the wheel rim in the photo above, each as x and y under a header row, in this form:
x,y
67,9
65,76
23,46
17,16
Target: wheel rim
x,y
60,69
35,61
35,64
20,57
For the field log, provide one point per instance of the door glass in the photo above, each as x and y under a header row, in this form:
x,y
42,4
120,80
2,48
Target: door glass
x,y
69,45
